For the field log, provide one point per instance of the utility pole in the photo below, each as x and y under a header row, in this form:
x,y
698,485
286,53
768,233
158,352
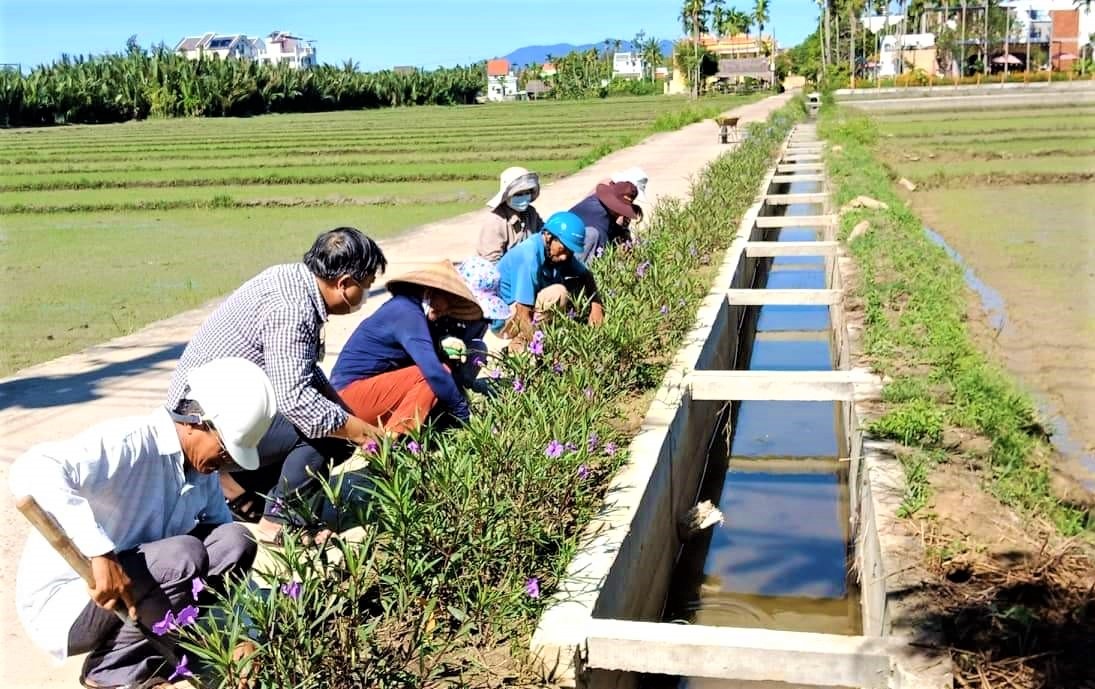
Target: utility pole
x,y
985,45
963,70
1007,44
851,41
1028,26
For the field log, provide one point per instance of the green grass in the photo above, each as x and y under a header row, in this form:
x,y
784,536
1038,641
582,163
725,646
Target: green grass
x,y
885,119
915,309
957,124
1040,146
122,224
1053,165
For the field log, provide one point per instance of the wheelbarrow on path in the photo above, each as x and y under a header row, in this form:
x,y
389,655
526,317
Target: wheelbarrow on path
x,y
728,128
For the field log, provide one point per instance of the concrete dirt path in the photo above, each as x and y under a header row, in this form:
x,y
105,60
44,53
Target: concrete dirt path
x,y
130,375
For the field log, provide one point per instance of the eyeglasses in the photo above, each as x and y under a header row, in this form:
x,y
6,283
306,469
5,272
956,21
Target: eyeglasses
x,y
224,455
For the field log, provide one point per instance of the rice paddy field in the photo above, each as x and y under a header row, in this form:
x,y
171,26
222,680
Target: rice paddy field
x,y
1013,191
105,228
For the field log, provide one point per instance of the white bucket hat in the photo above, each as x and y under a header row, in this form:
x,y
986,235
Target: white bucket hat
x,y
638,177
514,180
238,400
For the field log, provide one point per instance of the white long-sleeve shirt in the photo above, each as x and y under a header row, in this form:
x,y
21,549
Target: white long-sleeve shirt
x,y
113,487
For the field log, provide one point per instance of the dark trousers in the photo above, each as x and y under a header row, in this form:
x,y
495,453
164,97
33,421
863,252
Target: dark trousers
x,y
289,461
162,573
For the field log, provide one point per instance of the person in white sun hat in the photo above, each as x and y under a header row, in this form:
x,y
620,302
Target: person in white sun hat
x,y
140,498
512,217
638,177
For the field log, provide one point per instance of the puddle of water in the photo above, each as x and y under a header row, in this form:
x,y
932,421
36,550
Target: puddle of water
x,y
789,318
796,279
790,355
765,428
780,261
996,309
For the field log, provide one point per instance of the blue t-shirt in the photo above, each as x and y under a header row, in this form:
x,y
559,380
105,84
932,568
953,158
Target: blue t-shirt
x,y
525,270
601,230
397,336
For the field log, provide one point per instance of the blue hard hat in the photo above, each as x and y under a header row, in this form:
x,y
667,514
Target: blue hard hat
x,y
569,229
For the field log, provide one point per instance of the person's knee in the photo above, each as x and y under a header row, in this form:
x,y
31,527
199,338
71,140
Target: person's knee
x,y
187,559
552,296
236,546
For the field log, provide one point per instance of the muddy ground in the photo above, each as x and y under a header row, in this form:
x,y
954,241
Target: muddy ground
x,y
1035,245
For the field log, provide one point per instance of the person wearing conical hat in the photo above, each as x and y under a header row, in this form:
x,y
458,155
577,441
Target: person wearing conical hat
x,y
512,217
389,372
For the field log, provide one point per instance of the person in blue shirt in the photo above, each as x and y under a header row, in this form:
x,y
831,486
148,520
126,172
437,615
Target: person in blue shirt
x,y
390,372
541,274
607,214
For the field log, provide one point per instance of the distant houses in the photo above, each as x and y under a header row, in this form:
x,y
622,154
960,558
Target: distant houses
x,y
501,81
277,48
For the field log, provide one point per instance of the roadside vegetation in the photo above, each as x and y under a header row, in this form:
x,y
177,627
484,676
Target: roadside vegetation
x,y
1007,583
466,533
206,203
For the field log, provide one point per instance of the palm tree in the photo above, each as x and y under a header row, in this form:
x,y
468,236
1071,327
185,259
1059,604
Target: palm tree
x,y
760,15
736,22
651,51
694,21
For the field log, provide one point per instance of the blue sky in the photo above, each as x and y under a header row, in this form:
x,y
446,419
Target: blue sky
x,y
374,33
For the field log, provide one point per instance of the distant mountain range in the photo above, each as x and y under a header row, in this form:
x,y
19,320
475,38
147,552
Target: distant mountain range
x,y
537,54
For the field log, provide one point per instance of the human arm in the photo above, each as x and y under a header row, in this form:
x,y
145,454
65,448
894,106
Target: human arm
x,y
414,336
290,339
62,479
492,238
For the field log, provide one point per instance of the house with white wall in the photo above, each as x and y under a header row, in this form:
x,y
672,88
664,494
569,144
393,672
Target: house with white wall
x,y
280,47
283,48
627,66
501,81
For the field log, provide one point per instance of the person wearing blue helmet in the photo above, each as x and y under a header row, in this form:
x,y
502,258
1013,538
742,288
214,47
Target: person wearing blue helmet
x,y
542,274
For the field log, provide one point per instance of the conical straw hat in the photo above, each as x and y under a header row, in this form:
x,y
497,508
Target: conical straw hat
x,y
443,276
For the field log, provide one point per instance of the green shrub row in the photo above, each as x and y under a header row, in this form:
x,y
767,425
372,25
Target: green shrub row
x,y
465,533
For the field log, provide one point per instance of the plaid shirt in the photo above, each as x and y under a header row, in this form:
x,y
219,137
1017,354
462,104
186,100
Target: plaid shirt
x,y
274,319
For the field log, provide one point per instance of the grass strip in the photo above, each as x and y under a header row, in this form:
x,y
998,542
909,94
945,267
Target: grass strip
x,y
467,532
915,299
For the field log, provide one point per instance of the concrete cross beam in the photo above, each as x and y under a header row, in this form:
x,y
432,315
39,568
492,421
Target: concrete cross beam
x,y
786,199
767,221
800,167
783,297
788,179
741,654
790,386
767,249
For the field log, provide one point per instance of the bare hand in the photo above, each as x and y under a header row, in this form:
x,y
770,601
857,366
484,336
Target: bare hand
x,y
111,584
242,656
596,314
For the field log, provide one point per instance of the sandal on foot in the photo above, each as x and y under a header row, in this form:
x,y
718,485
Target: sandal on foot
x,y
247,506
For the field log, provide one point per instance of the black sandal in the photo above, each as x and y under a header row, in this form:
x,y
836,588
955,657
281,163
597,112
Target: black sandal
x,y
247,506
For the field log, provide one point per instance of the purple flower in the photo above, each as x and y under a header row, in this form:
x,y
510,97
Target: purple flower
x,y
371,446
610,449
692,250
592,441
537,317
518,386
181,670
570,447
496,374
196,587
643,267
554,449
532,587
583,472
664,310
187,616
557,367
598,252
536,347
479,362
413,447
164,626
291,589
588,393
276,507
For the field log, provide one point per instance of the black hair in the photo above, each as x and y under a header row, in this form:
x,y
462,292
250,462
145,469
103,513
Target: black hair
x,y
345,251
187,407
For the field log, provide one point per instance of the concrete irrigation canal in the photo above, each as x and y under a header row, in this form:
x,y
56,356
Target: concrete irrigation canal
x,y
760,415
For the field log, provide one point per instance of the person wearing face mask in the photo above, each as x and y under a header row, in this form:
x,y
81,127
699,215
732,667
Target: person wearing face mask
x,y
543,274
512,217
389,372
607,214
274,320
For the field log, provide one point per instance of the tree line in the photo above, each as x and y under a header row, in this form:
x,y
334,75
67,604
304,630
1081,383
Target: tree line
x,y
159,83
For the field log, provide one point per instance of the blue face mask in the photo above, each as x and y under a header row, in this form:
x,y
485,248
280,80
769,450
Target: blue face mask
x,y
520,202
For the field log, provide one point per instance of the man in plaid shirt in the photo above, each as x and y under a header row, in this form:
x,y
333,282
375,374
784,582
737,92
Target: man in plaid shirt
x,y
275,320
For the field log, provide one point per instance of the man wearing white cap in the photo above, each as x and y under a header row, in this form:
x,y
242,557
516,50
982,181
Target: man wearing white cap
x,y
512,217
140,498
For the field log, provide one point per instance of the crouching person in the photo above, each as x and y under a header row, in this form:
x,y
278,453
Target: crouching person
x,y
389,372
140,497
542,274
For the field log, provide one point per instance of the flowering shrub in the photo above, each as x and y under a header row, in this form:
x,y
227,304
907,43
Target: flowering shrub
x,y
465,533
